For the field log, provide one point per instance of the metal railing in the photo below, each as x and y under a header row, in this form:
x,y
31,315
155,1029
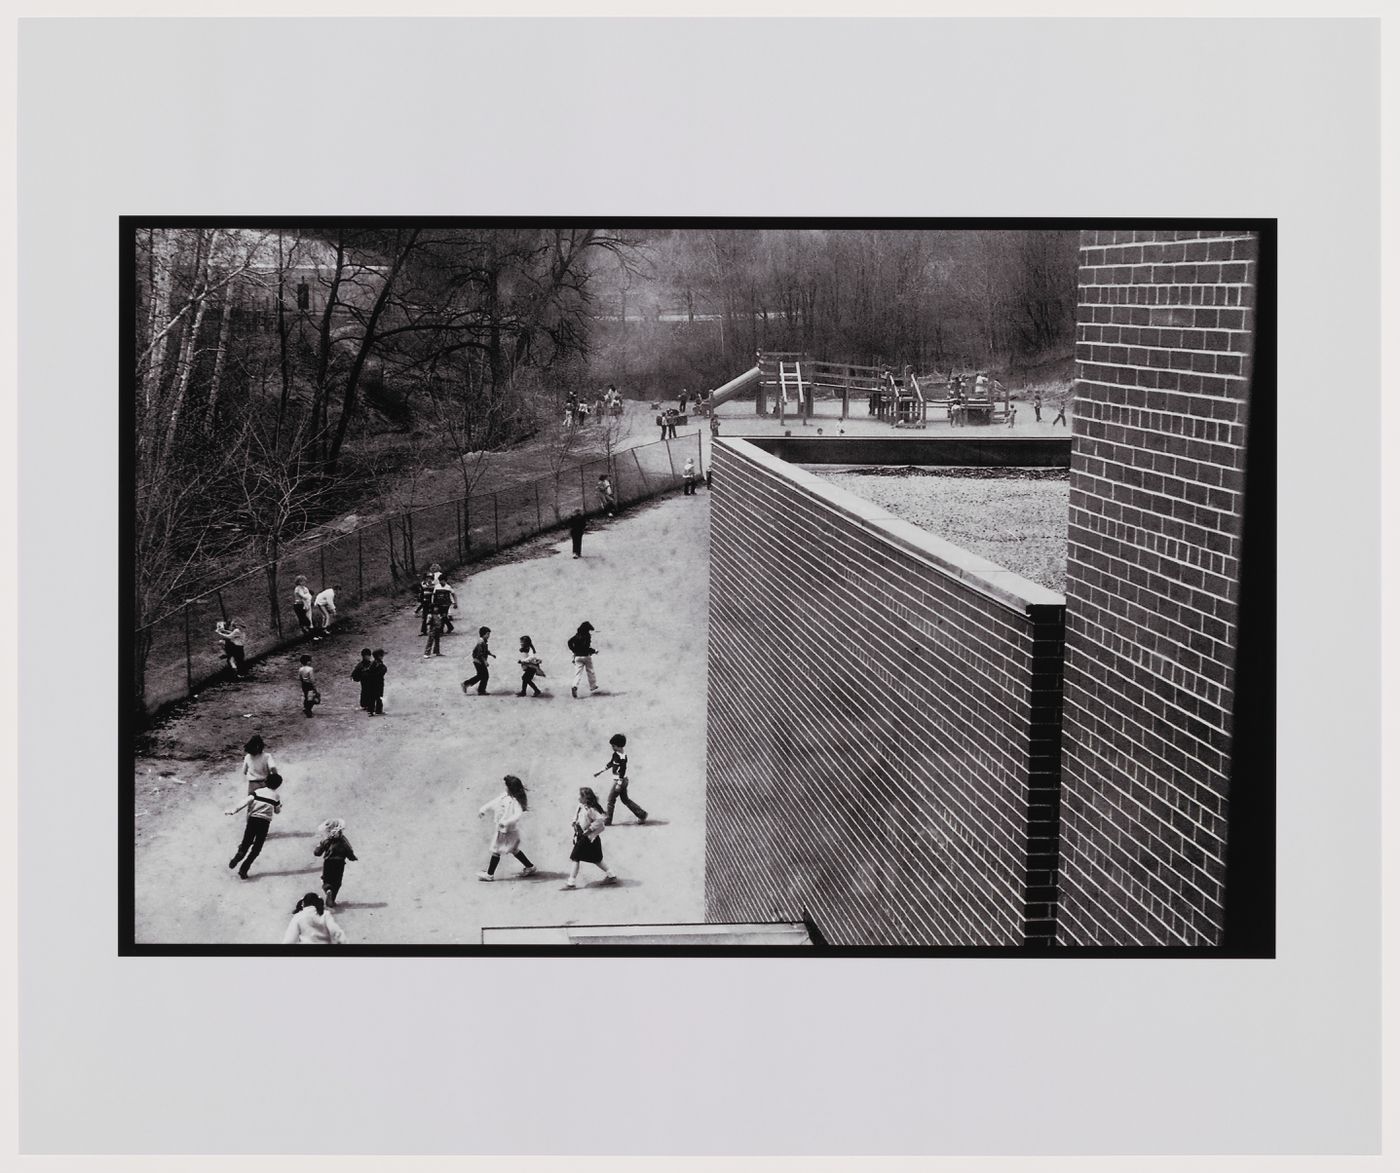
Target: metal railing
x,y
386,558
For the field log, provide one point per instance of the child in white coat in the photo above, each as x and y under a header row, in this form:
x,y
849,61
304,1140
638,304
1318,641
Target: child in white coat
x,y
508,809
311,924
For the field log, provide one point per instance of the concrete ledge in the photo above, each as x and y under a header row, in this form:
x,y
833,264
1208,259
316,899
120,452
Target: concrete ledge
x,y
939,451
718,935
973,571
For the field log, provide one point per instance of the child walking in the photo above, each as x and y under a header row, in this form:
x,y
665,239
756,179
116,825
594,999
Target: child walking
x,y
335,849
261,805
508,809
480,653
435,621
581,647
588,825
310,694
530,666
618,765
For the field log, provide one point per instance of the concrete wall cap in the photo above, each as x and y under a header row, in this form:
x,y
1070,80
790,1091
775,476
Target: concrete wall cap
x,y
975,572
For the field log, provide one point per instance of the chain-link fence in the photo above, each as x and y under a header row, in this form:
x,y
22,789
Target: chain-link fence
x,y
179,653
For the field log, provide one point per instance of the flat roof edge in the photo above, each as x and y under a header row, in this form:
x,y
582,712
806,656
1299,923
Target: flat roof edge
x,y
974,571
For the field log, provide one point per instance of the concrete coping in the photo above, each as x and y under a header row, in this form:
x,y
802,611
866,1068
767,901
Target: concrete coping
x,y
972,570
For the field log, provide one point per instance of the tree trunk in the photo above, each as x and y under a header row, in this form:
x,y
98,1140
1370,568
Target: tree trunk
x,y
352,380
190,346
225,325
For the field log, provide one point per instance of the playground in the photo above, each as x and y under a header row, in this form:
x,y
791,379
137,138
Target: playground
x,y
791,392
409,785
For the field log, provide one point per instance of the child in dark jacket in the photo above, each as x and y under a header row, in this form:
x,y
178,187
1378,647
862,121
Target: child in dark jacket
x,y
335,849
618,765
375,674
361,674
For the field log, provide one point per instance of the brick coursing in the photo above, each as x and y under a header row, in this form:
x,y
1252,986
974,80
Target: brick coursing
x,y
883,746
1163,363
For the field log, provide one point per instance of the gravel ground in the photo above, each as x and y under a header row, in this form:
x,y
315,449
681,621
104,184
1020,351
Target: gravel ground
x,y
1018,518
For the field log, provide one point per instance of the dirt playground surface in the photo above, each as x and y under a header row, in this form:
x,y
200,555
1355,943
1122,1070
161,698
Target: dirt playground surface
x,y
409,784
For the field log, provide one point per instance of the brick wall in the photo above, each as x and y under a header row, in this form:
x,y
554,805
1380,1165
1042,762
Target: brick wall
x,y
883,721
1165,340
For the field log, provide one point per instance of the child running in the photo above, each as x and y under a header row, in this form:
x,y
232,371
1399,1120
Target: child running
x,y
258,766
618,765
530,666
508,809
311,924
261,805
310,694
588,825
335,849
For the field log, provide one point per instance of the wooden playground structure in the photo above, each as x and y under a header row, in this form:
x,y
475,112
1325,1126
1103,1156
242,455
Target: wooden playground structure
x,y
792,384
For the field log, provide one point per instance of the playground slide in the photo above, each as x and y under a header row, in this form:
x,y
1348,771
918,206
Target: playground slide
x,y
733,387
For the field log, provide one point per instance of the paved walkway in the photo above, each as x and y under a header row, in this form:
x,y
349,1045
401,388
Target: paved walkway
x,y
409,785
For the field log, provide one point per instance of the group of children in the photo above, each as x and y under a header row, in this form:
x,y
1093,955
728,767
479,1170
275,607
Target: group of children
x,y
312,922
586,826
581,650
314,615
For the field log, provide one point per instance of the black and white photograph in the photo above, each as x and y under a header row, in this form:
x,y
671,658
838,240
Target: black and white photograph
x,y
867,585
728,585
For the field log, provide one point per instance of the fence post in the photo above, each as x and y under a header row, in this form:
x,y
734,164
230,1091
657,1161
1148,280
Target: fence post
x,y
360,563
466,527
322,551
539,515
672,460
582,491
189,667
496,517
646,488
